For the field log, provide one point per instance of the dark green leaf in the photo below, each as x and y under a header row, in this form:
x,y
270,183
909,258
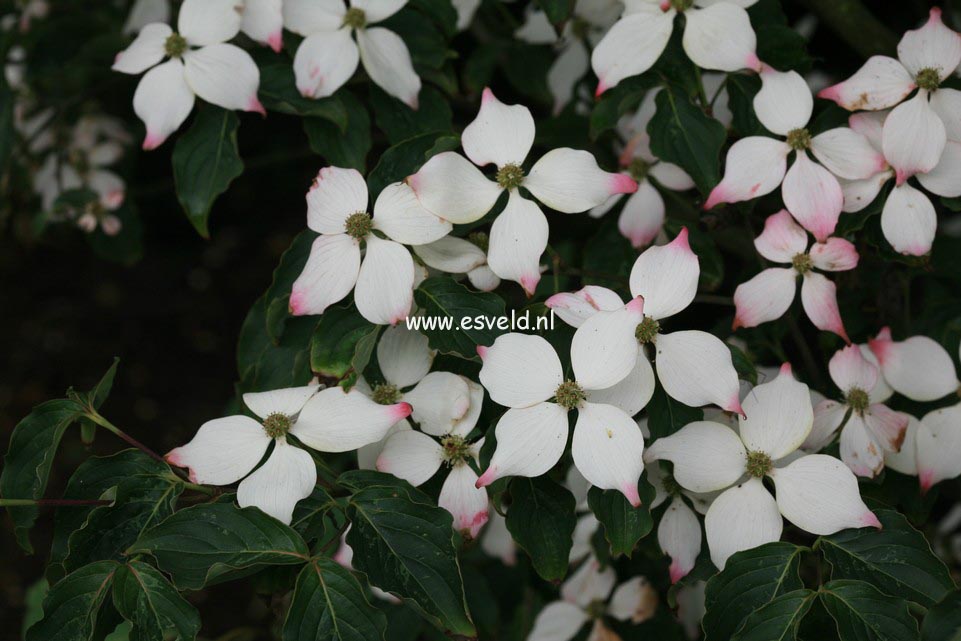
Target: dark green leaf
x,y
264,364
287,271
342,148
666,416
319,518
406,158
557,11
779,619
741,89
943,621
399,122
624,525
72,606
442,297
783,48
424,40
278,91
329,605
442,12
205,161
541,520
616,102
157,611
342,343
864,613
746,371
203,544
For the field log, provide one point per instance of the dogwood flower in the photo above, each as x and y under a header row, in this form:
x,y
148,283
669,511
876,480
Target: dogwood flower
x,y
768,295
465,12
717,35
587,25
262,20
815,492
694,367
453,255
871,428
576,307
337,210
757,165
524,373
938,444
201,63
916,367
497,542
225,450
328,56
416,456
584,597
564,179
916,131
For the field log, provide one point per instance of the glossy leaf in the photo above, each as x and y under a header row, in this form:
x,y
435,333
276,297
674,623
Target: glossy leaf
x,y
541,520
943,621
72,606
278,92
863,612
342,148
779,619
441,297
343,343
624,525
666,416
155,609
405,158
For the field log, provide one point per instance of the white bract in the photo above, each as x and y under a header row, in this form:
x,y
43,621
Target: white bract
x,y
817,493
263,20
226,450
916,367
328,56
757,165
717,35
383,282
452,255
767,296
566,180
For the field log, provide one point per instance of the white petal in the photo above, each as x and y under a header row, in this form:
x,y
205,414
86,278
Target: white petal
x,y
469,420
163,100
500,134
559,621
633,392
706,456
782,238
144,12
589,583
497,541
813,196
679,535
604,349
882,391
754,167
886,426
468,504
338,421
377,10
765,297
224,75
520,370
454,189
720,37
484,278
288,476
779,416
518,237
263,21
410,455
222,451
537,28
607,449
287,401
849,370
642,217
403,355
666,277
695,368
820,495
576,307
834,255
908,221
335,194
632,45
741,518
584,530
917,367
847,154
858,194
932,46
570,181
880,83
945,178
452,255
671,176
530,441
568,69
860,451
206,22
440,400
913,137
307,17
635,599
820,301
387,61
324,62
784,102
144,52
946,103
938,443
385,283
328,276
828,416
399,214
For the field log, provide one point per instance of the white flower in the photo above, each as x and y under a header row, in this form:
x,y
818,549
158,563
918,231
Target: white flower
x,y
566,180
916,367
524,373
694,367
144,12
938,444
717,35
263,20
225,450
497,542
576,307
757,165
465,12
328,56
201,63
769,295
817,493
454,255
337,210
916,131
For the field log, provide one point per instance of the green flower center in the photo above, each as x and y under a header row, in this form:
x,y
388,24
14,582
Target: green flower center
x,y
758,464
682,5
355,18
455,449
596,609
569,395
799,139
801,263
638,169
277,425
480,239
510,176
647,330
386,394
175,45
928,78
358,225
858,400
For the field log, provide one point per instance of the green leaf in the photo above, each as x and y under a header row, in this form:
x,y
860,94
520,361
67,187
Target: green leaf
x,y
746,371
741,89
616,102
779,619
557,11
624,524
342,343
205,544
319,518
329,605
342,148
541,520
750,580
897,559
126,247
943,621
265,364
406,547
289,268
864,613
683,134
441,298
72,606
405,158
399,122
278,92
157,611
666,416
782,47
205,161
